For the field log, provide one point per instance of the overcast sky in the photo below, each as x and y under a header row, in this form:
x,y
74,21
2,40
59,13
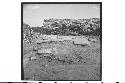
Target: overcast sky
x,y
34,14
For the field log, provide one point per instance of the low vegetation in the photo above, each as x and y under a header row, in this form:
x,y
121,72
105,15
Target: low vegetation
x,y
66,61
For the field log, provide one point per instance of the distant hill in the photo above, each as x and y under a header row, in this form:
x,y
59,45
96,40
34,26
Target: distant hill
x,y
25,26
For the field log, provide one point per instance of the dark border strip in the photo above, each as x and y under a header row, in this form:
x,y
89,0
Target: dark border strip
x,y
100,41
22,70
61,2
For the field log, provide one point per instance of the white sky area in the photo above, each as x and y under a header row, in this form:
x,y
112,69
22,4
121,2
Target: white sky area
x,y
34,14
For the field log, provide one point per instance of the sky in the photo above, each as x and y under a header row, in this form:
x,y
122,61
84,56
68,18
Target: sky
x,y
34,14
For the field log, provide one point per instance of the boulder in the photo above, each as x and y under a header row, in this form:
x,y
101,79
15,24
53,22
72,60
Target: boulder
x,y
81,41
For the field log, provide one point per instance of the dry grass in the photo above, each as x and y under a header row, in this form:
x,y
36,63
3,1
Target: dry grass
x,y
69,63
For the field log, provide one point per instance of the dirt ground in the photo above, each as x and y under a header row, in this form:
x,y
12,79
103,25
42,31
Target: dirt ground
x,y
69,62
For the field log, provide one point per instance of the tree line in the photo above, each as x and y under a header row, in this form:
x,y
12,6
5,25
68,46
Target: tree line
x,y
73,28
